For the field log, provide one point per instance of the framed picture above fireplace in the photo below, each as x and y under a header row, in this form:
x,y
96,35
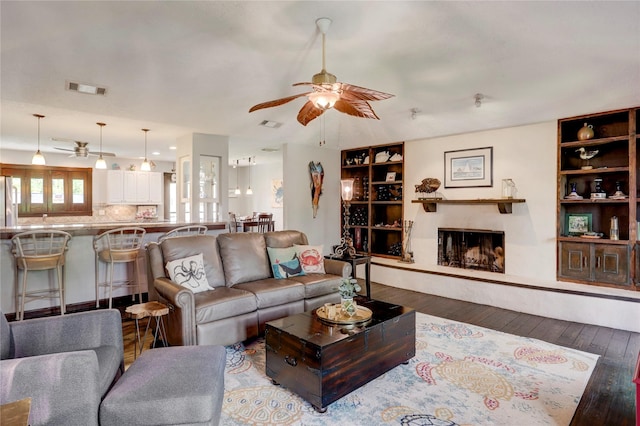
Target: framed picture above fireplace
x,y
468,168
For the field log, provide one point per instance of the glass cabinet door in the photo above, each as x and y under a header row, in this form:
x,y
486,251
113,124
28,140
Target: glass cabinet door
x,y
209,188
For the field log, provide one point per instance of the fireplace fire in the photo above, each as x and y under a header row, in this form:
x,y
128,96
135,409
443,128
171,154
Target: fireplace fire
x,y
476,249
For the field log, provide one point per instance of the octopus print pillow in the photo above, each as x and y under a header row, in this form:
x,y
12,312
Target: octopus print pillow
x,y
311,259
189,273
284,262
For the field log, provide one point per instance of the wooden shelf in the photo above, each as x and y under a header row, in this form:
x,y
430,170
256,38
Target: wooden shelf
x,y
504,204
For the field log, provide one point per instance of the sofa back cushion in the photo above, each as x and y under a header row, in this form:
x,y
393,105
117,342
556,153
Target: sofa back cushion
x,y
283,239
5,338
182,247
244,257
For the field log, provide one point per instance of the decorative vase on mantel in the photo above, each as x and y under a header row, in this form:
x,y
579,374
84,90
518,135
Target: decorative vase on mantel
x,y
348,307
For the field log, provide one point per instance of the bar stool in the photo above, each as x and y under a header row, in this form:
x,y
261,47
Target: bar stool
x,y
39,251
184,231
120,245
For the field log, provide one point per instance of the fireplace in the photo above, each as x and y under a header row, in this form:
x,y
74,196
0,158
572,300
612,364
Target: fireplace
x,y
475,249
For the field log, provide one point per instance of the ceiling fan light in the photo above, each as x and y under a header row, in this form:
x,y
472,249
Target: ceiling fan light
x,y
100,163
324,100
38,159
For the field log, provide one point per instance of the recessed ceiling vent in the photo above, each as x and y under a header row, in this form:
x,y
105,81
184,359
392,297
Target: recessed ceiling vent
x,y
270,149
271,124
87,89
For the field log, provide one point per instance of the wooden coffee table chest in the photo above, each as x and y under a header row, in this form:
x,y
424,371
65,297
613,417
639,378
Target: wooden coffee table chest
x,y
322,362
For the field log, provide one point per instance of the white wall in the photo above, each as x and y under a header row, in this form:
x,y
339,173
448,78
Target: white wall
x,y
298,214
527,154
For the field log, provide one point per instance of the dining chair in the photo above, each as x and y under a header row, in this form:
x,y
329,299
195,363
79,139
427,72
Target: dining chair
x,y
184,231
233,222
39,251
265,222
120,245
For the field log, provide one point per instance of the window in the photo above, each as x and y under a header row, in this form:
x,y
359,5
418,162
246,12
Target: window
x,y
56,191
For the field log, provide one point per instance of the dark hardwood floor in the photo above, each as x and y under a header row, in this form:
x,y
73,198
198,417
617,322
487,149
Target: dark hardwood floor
x,y
609,398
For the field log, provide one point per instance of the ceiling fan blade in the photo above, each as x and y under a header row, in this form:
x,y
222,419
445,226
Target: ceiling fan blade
x,y
64,149
357,108
277,102
104,154
308,112
349,91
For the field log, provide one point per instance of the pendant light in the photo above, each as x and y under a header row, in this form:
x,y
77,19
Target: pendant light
x,y
100,163
146,166
237,191
249,190
38,158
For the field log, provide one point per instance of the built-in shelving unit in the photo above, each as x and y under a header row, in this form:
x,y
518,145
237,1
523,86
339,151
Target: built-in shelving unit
x,y
376,209
598,257
505,205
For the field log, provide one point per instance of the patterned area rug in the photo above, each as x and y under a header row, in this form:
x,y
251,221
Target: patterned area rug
x,y
461,375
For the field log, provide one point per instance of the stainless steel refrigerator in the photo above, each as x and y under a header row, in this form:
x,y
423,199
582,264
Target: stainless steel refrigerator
x,y
8,202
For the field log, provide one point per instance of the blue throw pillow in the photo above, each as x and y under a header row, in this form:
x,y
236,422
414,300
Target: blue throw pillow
x,y
284,262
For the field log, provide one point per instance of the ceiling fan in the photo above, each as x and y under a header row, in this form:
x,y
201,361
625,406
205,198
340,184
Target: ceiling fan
x,y
81,150
328,93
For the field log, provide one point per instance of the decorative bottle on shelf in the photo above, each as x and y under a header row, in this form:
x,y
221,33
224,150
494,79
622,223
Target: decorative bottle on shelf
x,y
586,132
614,232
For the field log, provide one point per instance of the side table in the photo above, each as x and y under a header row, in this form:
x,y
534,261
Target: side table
x,y
155,310
358,259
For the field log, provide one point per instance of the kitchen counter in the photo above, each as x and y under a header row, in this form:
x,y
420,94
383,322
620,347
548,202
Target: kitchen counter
x,y
80,261
95,228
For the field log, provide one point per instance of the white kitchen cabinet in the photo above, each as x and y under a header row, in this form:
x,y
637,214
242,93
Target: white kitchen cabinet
x,y
128,187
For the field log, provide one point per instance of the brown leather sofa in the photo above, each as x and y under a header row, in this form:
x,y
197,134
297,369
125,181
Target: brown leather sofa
x,y
245,295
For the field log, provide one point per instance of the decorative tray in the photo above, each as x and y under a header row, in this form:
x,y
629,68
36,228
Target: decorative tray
x,y
592,236
362,314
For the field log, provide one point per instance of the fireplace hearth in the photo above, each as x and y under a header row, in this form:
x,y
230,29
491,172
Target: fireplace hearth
x,y
475,249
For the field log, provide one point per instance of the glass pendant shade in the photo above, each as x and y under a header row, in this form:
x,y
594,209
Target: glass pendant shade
x,y
100,163
38,158
237,191
249,190
145,166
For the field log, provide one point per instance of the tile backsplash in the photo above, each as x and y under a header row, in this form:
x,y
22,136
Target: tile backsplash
x,y
115,213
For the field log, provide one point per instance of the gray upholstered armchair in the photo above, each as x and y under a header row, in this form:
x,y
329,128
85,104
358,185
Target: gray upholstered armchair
x,y
65,364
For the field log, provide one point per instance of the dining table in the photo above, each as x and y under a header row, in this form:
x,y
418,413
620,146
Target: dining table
x,y
247,224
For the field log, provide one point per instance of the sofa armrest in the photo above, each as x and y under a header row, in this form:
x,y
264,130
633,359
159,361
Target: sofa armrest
x,y
337,267
181,327
66,333
63,387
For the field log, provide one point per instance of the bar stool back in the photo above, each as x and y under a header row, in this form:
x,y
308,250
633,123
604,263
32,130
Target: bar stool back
x,y
184,231
120,245
39,251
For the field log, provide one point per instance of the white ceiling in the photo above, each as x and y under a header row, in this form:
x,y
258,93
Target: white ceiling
x,y
184,67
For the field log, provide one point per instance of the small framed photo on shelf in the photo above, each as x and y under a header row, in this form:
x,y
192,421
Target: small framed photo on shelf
x,y
391,177
577,224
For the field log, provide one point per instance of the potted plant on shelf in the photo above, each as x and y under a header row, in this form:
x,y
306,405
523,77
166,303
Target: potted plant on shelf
x,y
348,289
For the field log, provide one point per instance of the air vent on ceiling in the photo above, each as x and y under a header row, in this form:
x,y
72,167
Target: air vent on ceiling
x,y
86,88
271,149
271,124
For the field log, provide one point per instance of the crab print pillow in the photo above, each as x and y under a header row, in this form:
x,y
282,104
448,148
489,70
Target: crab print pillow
x,y
311,259
189,273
